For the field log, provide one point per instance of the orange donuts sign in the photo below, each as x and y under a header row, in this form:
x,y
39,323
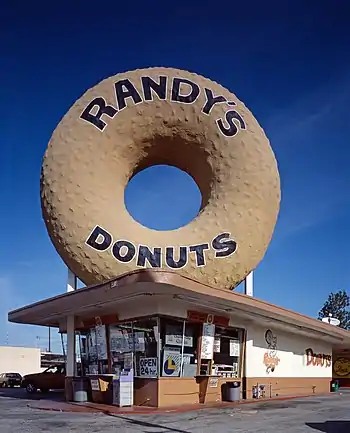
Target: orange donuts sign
x,y
317,359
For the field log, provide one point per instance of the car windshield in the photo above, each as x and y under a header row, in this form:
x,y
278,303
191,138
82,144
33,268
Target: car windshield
x,y
13,375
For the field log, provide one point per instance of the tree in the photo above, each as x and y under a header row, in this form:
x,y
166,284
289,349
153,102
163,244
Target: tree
x,y
337,305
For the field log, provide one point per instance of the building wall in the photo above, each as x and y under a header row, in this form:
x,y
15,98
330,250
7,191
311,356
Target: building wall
x,y
23,360
291,353
292,375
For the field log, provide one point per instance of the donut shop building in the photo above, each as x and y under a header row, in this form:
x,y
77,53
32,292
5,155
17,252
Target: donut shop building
x,y
179,342
158,323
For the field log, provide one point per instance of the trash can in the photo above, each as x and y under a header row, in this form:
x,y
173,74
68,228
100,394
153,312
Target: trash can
x,y
233,391
80,389
334,385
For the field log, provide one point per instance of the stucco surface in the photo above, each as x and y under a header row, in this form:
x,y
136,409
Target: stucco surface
x,y
85,172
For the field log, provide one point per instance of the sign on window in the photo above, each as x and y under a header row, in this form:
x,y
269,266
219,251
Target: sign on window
x,y
148,367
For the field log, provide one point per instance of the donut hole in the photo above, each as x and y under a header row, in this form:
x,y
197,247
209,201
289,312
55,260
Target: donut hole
x,y
184,152
162,197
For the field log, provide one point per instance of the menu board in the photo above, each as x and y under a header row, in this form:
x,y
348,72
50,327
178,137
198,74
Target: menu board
x,y
234,348
207,347
101,342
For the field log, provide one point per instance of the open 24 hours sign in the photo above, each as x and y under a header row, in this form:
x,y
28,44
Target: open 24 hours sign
x,y
148,367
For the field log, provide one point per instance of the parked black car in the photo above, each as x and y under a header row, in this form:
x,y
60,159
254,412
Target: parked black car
x,y
10,380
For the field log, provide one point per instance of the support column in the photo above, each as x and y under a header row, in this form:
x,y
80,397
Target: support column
x,y
71,281
71,361
71,364
248,284
71,342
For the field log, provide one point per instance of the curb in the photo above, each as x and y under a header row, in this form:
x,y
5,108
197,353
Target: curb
x,y
79,408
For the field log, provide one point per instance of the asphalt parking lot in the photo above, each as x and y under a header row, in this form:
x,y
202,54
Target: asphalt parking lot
x,y
330,414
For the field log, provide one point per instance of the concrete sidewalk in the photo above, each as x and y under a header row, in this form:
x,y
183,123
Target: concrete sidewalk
x,y
329,414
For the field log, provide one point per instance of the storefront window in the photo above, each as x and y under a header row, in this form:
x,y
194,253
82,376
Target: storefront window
x,y
178,355
165,347
121,347
146,348
227,351
97,354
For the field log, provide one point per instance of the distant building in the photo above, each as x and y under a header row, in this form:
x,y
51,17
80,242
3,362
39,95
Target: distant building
x,y
48,359
25,360
22,360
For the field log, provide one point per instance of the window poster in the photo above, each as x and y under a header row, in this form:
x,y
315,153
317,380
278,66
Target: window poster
x,y
217,344
139,341
120,340
171,362
128,361
234,347
93,369
207,347
173,336
148,367
91,344
101,342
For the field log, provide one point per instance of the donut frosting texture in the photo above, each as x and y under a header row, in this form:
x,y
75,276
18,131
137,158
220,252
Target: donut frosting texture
x,y
160,116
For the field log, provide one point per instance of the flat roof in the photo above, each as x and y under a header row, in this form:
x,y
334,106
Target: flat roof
x,y
139,285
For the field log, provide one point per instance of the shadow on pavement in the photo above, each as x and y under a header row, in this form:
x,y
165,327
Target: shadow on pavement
x,y
21,394
164,428
330,426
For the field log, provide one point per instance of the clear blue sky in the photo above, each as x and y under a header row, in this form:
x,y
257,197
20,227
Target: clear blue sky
x,y
288,61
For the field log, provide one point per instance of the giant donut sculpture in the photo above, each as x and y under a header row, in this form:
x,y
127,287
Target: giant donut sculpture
x,y
152,116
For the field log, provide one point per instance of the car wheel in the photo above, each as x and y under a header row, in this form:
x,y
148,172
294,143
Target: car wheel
x,y
30,388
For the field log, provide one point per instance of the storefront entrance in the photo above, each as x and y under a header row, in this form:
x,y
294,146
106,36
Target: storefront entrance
x,y
168,361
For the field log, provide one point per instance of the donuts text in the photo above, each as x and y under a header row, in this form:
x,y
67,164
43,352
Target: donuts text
x,y
318,359
181,91
174,257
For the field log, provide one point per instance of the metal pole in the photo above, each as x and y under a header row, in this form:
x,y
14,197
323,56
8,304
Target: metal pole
x,y
159,348
182,346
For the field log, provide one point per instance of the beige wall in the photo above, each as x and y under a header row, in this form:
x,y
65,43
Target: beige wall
x,y
291,353
23,360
